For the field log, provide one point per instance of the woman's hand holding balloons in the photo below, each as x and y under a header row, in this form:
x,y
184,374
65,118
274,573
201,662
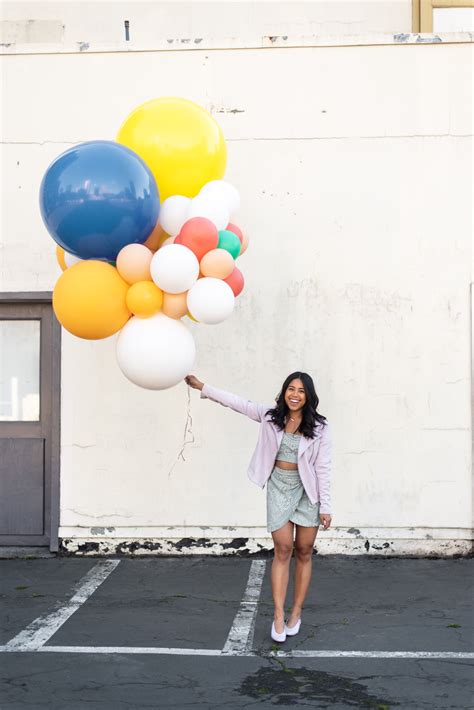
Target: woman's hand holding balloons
x,y
193,382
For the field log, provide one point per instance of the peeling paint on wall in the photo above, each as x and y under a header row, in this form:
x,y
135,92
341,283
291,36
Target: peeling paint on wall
x,y
247,547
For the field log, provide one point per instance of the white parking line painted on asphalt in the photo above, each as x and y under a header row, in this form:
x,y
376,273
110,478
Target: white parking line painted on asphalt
x,y
434,655
240,639
36,634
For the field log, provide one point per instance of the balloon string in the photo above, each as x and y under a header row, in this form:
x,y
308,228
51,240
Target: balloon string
x,y
188,432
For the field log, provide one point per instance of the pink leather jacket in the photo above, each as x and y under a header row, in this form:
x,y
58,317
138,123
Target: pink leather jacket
x,y
314,455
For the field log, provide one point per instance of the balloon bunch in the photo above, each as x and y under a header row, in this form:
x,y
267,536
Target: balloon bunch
x,y
135,266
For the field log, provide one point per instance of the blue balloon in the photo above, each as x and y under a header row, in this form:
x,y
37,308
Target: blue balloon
x,y
98,197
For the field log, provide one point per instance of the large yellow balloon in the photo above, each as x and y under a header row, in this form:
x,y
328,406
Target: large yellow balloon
x,y
181,143
89,300
144,298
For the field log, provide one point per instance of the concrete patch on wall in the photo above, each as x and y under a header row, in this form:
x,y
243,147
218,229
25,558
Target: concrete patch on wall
x,y
31,31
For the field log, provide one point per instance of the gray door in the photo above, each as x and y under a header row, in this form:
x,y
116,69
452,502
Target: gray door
x,y
29,421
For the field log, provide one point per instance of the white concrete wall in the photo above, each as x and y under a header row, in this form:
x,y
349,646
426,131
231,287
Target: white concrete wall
x,y
79,22
354,169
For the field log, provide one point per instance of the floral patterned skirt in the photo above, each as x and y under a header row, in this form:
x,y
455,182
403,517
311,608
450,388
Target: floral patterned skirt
x,y
288,500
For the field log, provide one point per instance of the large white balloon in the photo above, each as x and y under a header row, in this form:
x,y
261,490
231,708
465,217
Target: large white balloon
x,y
225,193
210,300
174,268
174,213
156,352
211,207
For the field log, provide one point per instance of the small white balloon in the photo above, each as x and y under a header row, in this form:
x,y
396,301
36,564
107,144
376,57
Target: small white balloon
x,y
212,208
174,268
70,259
155,353
174,213
224,192
210,300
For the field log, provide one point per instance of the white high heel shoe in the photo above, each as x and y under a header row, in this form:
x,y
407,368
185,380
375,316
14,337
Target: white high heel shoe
x,y
294,629
276,636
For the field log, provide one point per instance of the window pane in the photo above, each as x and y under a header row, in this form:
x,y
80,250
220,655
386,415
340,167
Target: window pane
x,y
453,19
19,370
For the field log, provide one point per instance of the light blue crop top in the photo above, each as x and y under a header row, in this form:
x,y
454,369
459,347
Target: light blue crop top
x,y
288,450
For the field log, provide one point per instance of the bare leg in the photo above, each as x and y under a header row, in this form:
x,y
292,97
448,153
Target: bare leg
x,y
304,543
283,548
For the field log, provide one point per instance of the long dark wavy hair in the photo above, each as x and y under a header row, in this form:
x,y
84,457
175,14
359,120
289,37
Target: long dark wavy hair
x,y
311,417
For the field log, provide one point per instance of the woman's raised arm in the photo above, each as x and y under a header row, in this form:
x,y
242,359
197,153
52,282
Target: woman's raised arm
x,y
250,409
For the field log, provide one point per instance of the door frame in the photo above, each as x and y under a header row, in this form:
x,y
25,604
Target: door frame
x,y
36,298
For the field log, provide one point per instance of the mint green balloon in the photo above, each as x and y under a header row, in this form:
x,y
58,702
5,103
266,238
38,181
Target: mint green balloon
x,y
230,242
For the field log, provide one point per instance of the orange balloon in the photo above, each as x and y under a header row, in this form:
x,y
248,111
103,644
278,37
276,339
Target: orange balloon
x,y
218,263
60,258
175,304
170,240
144,298
133,263
89,300
156,238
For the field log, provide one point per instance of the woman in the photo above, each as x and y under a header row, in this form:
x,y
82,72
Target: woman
x,y
293,456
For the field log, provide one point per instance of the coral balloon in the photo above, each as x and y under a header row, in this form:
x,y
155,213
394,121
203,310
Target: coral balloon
x,y
210,300
217,263
60,257
156,352
236,281
174,269
200,235
144,298
230,242
180,141
97,197
175,304
133,263
89,300
174,213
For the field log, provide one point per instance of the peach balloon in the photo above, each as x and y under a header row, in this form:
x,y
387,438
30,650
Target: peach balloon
x,y
156,238
144,298
218,263
60,258
245,243
133,263
175,304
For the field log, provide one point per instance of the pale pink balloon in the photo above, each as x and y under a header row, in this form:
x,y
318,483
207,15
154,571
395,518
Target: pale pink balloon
x,y
133,263
217,263
245,243
170,240
175,305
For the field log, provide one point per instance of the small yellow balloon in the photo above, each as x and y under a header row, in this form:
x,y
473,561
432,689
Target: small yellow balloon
x,y
89,300
182,144
60,258
192,317
144,299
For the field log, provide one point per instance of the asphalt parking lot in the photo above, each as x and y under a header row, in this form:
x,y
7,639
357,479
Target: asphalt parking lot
x,y
128,633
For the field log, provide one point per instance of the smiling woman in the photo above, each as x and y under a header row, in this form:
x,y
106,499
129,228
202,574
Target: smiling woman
x,y
293,457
